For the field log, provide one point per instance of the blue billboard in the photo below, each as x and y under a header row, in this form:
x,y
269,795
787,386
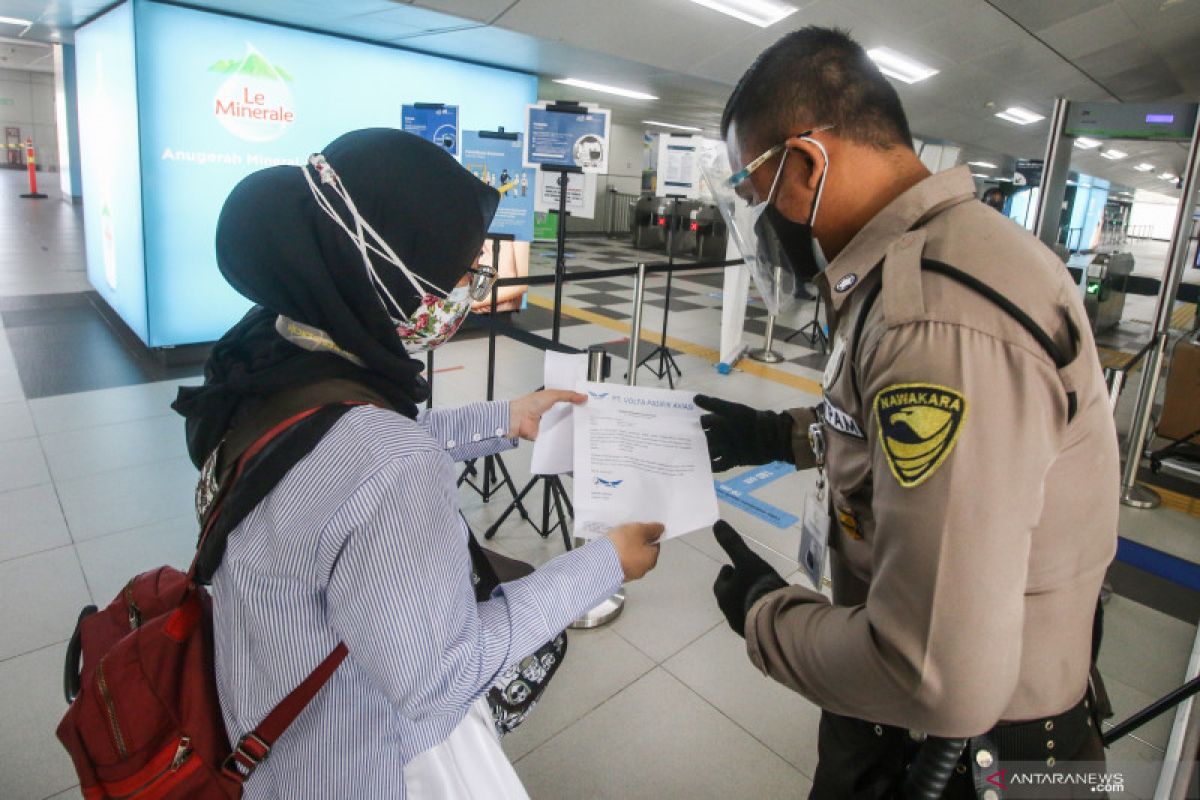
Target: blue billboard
x,y
220,97
435,122
496,159
110,165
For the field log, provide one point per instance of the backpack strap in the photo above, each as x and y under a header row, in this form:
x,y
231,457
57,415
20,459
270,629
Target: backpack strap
x,y
1044,340
254,747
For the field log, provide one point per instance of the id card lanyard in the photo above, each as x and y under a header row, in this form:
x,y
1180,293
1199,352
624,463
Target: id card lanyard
x,y
814,527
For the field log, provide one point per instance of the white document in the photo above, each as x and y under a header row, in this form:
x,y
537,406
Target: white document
x,y
640,456
554,448
581,193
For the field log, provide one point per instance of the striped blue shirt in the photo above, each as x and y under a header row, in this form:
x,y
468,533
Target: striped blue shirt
x,y
362,542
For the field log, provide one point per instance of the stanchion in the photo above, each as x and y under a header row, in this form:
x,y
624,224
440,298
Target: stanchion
x,y
31,162
635,329
666,361
766,354
610,608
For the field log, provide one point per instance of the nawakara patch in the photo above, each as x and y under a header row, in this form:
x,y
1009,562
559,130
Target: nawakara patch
x,y
918,426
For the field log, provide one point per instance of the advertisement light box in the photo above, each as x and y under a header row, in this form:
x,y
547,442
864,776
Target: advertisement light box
x,y
211,99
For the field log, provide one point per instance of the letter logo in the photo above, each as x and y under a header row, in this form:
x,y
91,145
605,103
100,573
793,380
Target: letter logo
x,y
254,103
608,484
918,424
846,283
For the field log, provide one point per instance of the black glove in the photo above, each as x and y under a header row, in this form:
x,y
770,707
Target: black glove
x,y
739,435
739,587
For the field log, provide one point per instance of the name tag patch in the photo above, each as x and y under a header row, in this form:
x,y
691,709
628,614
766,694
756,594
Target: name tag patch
x,y
840,421
918,426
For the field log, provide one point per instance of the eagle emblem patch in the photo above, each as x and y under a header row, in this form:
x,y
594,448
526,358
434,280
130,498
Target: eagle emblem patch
x,y
918,426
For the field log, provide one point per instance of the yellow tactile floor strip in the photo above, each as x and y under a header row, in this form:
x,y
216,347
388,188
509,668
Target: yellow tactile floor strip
x,y
1114,358
1183,316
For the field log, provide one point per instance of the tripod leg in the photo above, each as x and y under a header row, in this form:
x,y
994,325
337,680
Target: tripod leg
x,y
516,503
512,486
546,492
557,489
468,470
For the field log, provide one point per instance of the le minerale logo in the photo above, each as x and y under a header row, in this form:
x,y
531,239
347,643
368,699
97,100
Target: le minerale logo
x,y
254,103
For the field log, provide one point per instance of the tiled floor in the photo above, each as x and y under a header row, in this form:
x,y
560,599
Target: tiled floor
x,y
95,486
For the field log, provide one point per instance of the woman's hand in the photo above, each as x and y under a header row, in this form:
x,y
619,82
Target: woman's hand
x,y
525,413
636,544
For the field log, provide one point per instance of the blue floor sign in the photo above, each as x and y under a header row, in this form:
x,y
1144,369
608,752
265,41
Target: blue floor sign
x,y
738,492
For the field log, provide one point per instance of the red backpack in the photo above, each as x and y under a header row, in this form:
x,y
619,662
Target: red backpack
x,y
144,720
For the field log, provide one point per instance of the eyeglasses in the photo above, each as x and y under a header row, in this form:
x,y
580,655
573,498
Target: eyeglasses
x,y
483,278
739,177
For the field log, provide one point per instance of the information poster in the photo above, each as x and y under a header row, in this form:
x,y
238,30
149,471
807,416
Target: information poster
x,y
497,161
581,193
433,121
1028,172
567,139
679,166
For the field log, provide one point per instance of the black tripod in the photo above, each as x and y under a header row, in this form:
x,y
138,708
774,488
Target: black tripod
x,y
554,493
813,330
495,473
666,361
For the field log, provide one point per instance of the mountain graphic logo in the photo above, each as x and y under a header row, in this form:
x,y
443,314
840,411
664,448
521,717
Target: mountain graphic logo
x,y
608,484
599,395
255,102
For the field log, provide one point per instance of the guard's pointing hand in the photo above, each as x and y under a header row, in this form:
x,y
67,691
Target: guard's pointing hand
x,y
739,587
741,436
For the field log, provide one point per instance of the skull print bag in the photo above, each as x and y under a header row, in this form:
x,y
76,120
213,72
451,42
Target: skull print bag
x,y
517,689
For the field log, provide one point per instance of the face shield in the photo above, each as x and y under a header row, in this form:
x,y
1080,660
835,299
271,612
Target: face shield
x,y
779,253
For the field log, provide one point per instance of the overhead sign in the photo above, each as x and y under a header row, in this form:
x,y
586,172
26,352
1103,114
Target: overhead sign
x,y
1028,172
436,122
496,160
679,165
567,138
1159,121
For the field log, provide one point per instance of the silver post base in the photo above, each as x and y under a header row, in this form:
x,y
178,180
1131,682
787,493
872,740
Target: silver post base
x,y
1139,496
764,355
606,612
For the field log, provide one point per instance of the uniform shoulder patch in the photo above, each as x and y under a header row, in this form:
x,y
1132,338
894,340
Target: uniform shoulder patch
x,y
918,426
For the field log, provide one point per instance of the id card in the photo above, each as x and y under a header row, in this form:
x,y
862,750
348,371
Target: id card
x,y
814,536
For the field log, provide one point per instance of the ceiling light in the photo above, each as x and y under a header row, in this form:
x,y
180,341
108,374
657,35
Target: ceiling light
x,y
1166,176
763,13
1084,143
1144,167
898,66
984,164
672,126
1021,116
981,175
16,21
1113,155
601,87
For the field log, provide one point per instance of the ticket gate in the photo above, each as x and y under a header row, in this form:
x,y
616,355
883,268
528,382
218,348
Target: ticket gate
x,y
1104,291
648,233
712,237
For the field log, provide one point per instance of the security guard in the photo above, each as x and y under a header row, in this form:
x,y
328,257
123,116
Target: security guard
x,y
967,456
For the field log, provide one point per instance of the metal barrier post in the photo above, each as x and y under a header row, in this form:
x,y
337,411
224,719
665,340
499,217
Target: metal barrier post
x,y
1133,494
765,354
635,331
610,608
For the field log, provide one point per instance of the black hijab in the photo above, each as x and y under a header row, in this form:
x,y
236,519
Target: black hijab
x,y
278,248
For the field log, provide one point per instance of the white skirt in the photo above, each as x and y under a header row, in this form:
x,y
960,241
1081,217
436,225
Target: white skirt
x,y
468,765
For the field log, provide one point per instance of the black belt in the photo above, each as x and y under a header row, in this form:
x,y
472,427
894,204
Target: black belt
x,y
1048,739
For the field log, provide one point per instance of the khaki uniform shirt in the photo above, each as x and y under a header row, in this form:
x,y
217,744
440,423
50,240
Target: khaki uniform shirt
x,y
973,519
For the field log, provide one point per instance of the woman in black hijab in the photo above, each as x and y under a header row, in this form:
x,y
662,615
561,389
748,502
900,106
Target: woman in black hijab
x,y
358,260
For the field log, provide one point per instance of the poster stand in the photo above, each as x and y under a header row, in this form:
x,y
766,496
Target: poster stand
x,y
666,361
553,492
495,472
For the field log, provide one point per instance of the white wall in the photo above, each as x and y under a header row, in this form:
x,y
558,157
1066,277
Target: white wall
x,y
1153,211
27,102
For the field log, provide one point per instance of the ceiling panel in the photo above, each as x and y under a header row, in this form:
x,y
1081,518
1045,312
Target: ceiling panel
x,y
1086,33
478,10
1037,15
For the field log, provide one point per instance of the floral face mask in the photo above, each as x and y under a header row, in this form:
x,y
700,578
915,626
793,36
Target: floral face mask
x,y
440,314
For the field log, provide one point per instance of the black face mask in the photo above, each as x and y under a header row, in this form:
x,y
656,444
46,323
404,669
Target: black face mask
x,y
797,248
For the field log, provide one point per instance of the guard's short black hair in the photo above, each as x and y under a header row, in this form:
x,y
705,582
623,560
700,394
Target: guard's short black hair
x,y
817,76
